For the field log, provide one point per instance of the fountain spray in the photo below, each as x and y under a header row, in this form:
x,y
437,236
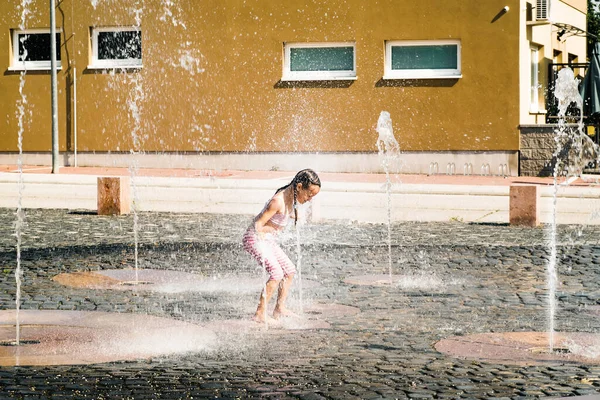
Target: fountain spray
x,y
20,214
21,110
134,107
388,148
299,265
134,103
574,150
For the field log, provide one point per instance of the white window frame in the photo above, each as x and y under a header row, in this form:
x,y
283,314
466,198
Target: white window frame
x,y
390,73
17,65
289,75
95,63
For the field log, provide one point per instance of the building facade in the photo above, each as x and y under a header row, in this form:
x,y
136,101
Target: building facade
x,y
281,84
553,37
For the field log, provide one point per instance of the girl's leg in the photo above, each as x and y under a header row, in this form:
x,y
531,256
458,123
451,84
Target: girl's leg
x,y
284,289
265,296
262,251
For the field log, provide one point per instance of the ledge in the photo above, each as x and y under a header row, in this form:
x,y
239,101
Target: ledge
x,y
20,69
348,78
98,67
423,77
541,126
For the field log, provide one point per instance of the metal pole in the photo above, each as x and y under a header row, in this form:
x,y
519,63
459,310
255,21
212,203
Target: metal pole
x,y
54,107
75,115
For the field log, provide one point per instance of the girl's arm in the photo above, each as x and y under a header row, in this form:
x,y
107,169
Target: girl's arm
x,y
261,224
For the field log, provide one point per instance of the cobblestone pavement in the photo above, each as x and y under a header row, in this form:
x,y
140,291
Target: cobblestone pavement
x,y
493,281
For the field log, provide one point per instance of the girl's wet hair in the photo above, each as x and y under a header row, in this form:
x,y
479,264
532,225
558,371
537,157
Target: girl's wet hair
x,y
305,178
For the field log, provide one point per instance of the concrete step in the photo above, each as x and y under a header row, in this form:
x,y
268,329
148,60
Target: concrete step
x,y
343,200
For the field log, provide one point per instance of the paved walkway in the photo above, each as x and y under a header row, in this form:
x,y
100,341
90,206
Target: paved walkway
x,y
461,278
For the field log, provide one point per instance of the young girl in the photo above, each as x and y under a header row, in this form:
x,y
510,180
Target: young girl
x,y
259,239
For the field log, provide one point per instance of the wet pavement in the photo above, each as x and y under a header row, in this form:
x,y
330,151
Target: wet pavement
x,y
461,279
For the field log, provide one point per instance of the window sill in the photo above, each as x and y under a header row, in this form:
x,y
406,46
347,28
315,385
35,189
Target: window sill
x,y
415,77
539,22
538,112
106,67
300,79
20,68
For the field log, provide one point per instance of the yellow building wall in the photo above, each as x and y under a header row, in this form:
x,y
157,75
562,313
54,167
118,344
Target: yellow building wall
x,y
211,78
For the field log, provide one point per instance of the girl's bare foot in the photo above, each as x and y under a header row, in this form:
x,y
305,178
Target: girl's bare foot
x,y
261,319
283,312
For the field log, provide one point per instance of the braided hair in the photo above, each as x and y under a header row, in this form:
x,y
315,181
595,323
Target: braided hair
x,y
305,178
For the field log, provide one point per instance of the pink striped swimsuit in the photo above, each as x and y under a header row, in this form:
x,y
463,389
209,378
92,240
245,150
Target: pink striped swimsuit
x,y
267,251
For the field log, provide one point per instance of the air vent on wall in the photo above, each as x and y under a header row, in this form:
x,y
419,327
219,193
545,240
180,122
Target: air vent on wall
x,y
542,10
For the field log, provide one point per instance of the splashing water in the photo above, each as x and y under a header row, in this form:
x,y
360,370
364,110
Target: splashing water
x,y
25,11
574,150
425,280
135,100
299,266
386,142
189,60
302,210
565,95
388,148
134,104
592,351
132,82
20,214
189,55
167,6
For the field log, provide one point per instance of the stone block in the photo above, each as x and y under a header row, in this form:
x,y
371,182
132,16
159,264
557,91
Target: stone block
x,y
526,154
113,195
524,209
543,153
529,168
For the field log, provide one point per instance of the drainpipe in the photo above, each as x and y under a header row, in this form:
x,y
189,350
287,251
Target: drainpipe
x,y
75,116
54,107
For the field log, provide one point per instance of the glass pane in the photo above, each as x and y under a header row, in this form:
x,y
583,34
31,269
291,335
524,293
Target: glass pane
x,y
322,58
120,45
534,78
425,57
36,46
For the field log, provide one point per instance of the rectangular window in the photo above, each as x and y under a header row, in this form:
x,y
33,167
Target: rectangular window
x,y
422,59
319,61
116,47
534,99
31,49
